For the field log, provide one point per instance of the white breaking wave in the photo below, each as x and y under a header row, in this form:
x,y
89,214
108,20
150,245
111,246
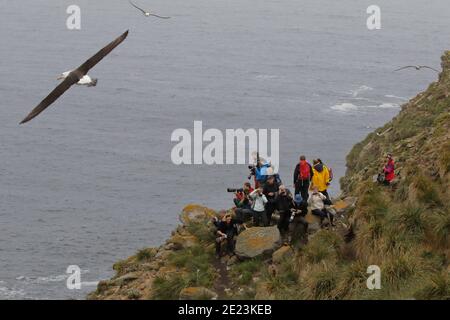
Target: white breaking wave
x,y
350,107
263,77
386,106
396,97
345,107
55,278
356,92
9,293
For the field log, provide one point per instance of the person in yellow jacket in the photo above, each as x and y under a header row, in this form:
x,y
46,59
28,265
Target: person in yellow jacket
x,y
321,178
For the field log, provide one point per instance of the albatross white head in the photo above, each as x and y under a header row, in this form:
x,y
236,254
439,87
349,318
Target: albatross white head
x,y
85,81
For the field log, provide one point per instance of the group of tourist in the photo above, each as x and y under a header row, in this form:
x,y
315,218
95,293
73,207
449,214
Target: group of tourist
x,y
256,204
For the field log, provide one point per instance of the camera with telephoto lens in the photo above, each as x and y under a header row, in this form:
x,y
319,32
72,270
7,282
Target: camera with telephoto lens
x,y
235,190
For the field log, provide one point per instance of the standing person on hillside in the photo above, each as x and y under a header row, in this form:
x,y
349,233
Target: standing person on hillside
x,y
303,174
330,171
298,226
270,190
389,170
258,207
321,179
284,202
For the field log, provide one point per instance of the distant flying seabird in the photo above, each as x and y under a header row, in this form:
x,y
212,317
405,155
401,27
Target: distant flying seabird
x,y
417,68
146,13
77,76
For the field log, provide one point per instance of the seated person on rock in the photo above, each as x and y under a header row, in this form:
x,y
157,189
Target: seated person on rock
x,y
227,230
317,202
243,203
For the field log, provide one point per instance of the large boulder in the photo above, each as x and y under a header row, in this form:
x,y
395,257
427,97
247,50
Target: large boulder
x,y
195,213
256,241
342,206
197,293
182,241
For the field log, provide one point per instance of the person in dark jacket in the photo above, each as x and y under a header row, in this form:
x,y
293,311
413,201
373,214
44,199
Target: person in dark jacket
x,y
298,226
303,174
227,230
270,190
284,203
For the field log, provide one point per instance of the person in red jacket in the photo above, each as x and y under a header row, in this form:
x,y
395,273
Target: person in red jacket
x,y
389,170
303,174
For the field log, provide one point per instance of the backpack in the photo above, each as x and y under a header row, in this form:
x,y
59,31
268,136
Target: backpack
x,y
304,171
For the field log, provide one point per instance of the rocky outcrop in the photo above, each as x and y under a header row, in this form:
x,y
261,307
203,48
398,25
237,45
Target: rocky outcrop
x,y
195,213
144,275
257,241
197,293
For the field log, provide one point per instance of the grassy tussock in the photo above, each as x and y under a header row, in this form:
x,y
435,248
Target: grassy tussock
x,y
168,287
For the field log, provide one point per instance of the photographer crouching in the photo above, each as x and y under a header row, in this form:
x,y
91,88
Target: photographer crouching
x,y
243,202
227,230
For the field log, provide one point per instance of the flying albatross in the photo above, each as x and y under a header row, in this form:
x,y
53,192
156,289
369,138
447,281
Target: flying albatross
x,y
146,13
417,68
77,76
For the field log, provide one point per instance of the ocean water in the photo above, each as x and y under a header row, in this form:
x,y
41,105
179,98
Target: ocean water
x,y
91,181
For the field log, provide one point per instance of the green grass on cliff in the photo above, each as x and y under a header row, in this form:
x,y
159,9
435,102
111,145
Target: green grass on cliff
x,y
403,229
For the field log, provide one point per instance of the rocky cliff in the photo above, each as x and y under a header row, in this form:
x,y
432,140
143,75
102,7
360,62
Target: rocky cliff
x,y
403,229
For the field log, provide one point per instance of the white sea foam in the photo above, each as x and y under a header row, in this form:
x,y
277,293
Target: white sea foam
x,y
47,279
9,293
396,97
345,107
350,107
385,106
263,77
354,93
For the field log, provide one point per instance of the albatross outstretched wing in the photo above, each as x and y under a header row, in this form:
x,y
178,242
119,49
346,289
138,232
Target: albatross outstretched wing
x,y
403,68
91,62
161,17
74,77
143,11
427,67
52,97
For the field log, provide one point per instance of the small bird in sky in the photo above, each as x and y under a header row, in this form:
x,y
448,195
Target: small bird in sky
x,y
78,76
417,68
146,13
